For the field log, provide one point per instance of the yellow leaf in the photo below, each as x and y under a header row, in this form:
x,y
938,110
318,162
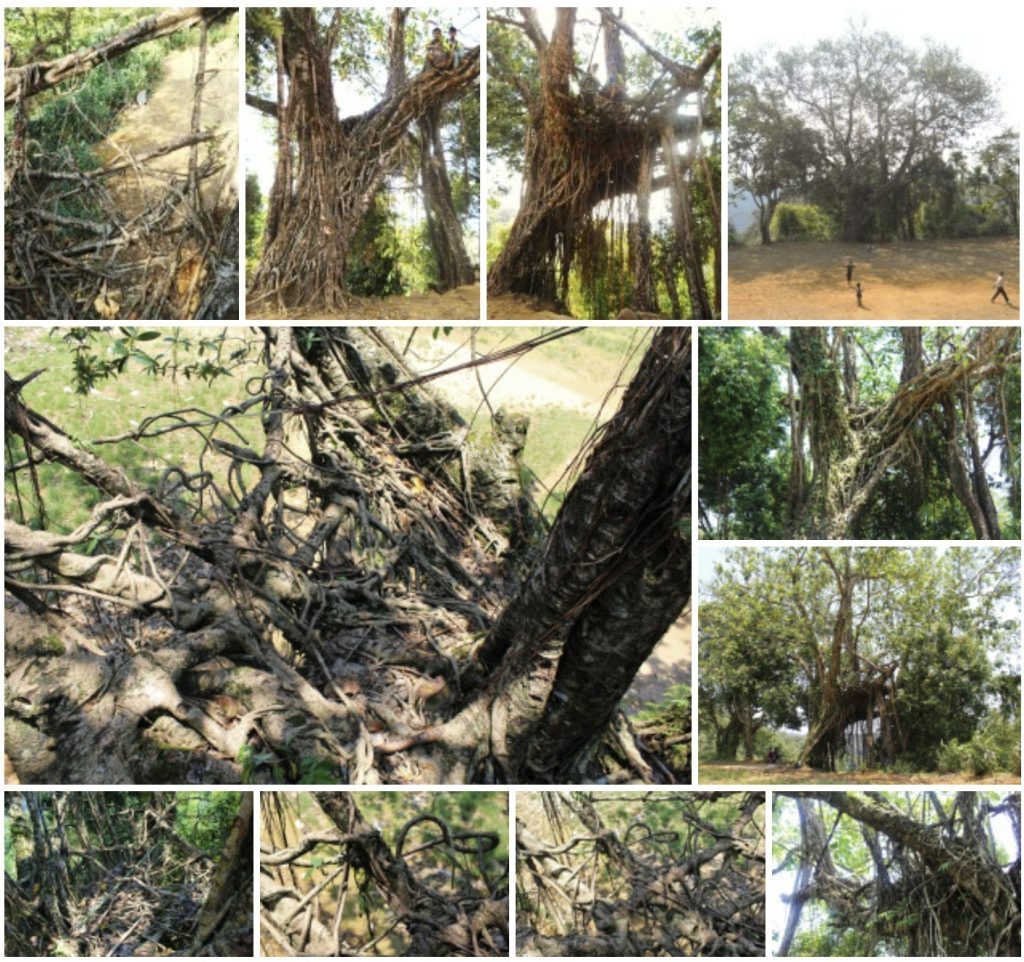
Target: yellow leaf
x,y
106,306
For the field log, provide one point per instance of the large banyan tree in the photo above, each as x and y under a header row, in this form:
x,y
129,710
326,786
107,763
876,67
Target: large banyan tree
x,y
602,874
594,155
331,164
899,874
881,655
356,594
880,433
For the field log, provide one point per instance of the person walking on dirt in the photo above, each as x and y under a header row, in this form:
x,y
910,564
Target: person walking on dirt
x,y
859,291
1000,288
849,270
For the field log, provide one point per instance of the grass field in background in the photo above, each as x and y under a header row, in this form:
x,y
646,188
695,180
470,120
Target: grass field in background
x,y
115,406
593,364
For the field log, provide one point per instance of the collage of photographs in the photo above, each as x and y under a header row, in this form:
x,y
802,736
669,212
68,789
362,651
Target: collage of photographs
x,y
607,541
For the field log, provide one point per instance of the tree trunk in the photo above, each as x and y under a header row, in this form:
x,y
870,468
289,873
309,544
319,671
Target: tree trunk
x,y
727,739
850,455
614,577
645,291
691,250
453,265
30,79
340,165
369,534
581,154
225,921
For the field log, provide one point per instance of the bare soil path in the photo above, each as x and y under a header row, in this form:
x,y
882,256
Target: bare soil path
x,y
167,115
914,280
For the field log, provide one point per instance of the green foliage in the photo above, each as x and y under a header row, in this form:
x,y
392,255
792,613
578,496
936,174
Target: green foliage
x,y
745,450
119,401
995,747
374,266
808,126
255,221
497,234
743,459
767,618
805,222
205,818
511,60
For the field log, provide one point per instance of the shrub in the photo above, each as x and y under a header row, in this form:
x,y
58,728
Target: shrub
x,y
800,222
995,747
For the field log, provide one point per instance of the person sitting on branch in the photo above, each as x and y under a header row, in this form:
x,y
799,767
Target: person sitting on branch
x,y
438,55
454,47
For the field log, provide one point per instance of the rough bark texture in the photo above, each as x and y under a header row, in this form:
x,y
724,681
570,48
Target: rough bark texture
x,y
647,897
938,887
852,448
33,78
463,920
339,165
453,265
121,874
615,574
584,149
318,615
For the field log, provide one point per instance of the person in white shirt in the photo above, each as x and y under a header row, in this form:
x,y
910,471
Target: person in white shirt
x,y
1000,288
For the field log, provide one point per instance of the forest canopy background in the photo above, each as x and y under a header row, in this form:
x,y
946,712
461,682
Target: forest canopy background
x,y
840,432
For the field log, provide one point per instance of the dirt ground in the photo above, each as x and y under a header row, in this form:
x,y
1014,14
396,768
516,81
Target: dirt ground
x,y
458,304
913,280
167,115
514,307
759,773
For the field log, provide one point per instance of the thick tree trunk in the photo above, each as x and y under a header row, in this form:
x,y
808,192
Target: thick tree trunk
x,y
851,455
225,921
453,265
614,577
556,174
582,153
367,531
340,165
727,739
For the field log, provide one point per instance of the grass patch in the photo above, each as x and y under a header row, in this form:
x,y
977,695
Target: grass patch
x,y
112,407
752,773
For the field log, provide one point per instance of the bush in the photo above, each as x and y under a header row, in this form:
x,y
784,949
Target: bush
x,y
801,222
994,748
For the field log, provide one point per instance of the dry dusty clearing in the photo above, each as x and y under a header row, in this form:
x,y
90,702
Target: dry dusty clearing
x,y
459,304
913,280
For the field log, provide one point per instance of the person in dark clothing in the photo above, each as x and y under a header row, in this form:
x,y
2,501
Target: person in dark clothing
x,y
849,270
